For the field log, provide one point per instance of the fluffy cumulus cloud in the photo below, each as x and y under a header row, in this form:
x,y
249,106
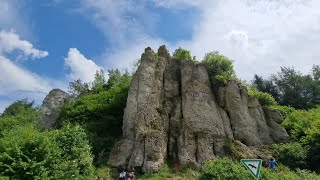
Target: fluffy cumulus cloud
x,y
15,78
260,36
80,67
10,41
127,26
16,82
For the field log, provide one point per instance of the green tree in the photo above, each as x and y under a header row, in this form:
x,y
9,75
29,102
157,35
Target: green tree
x,y
78,89
27,152
266,86
304,127
181,54
293,155
18,107
100,114
291,88
294,88
99,83
219,67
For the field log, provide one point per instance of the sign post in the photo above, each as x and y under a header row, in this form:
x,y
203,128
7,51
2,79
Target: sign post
x,y
253,165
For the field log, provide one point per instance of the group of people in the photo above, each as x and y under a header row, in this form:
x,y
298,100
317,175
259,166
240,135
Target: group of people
x,y
130,175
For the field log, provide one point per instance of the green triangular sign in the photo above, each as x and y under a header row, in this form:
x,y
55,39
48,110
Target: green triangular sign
x,y
253,165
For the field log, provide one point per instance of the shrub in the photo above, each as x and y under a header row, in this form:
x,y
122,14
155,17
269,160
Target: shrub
x,y
264,99
292,155
224,168
100,114
299,122
284,110
18,107
26,153
181,54
219,67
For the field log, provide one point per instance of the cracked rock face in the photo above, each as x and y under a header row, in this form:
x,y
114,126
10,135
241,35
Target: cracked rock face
x,y
50,109
174,112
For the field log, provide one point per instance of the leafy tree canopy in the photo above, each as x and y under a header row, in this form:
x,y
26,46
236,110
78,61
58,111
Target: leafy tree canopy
x,y
291,88
219,67
181,54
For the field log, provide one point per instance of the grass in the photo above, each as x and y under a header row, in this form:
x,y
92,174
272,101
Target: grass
x,y
166,173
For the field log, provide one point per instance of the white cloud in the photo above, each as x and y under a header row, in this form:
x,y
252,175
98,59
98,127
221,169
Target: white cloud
x,y
121,21
260,35
13,15
16,82
80,67
10,41
15,78
126,25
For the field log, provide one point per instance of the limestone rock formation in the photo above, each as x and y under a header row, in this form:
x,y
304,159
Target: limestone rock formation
x,y
50,109
175,111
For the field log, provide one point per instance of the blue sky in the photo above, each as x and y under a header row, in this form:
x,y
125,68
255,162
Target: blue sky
x,y
45,44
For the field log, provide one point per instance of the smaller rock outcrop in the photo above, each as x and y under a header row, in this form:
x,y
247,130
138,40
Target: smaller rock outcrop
x,y
50,109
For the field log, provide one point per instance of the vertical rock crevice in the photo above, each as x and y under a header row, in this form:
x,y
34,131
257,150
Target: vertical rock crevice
x,y
174,111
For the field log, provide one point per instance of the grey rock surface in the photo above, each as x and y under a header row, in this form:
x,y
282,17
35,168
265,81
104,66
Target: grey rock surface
x,y
50,109
175,112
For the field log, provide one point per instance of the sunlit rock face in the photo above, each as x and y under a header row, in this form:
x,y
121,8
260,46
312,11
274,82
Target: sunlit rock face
x,y
50,109
175,112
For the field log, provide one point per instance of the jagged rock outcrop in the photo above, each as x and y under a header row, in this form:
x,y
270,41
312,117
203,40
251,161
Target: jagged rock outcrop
x,y
50,109
175,111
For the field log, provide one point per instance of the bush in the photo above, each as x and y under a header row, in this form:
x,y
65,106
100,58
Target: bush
x,y
18,107
181,54
224,168
292,155
26,153
100,114
219,67
264,99
298,123
284,110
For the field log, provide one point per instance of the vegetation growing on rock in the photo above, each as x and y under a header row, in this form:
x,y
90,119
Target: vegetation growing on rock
x,y
91,122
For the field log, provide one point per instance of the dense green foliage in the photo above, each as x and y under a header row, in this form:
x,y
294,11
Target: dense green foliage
x,y
100,111
225,168
291,88
304,127
293,155
219,67
264,99
181,54
284,110
18,107
167,172
91,123
27,152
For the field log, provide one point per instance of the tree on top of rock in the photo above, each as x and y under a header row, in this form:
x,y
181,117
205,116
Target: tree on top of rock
x,y
181,54
219,67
